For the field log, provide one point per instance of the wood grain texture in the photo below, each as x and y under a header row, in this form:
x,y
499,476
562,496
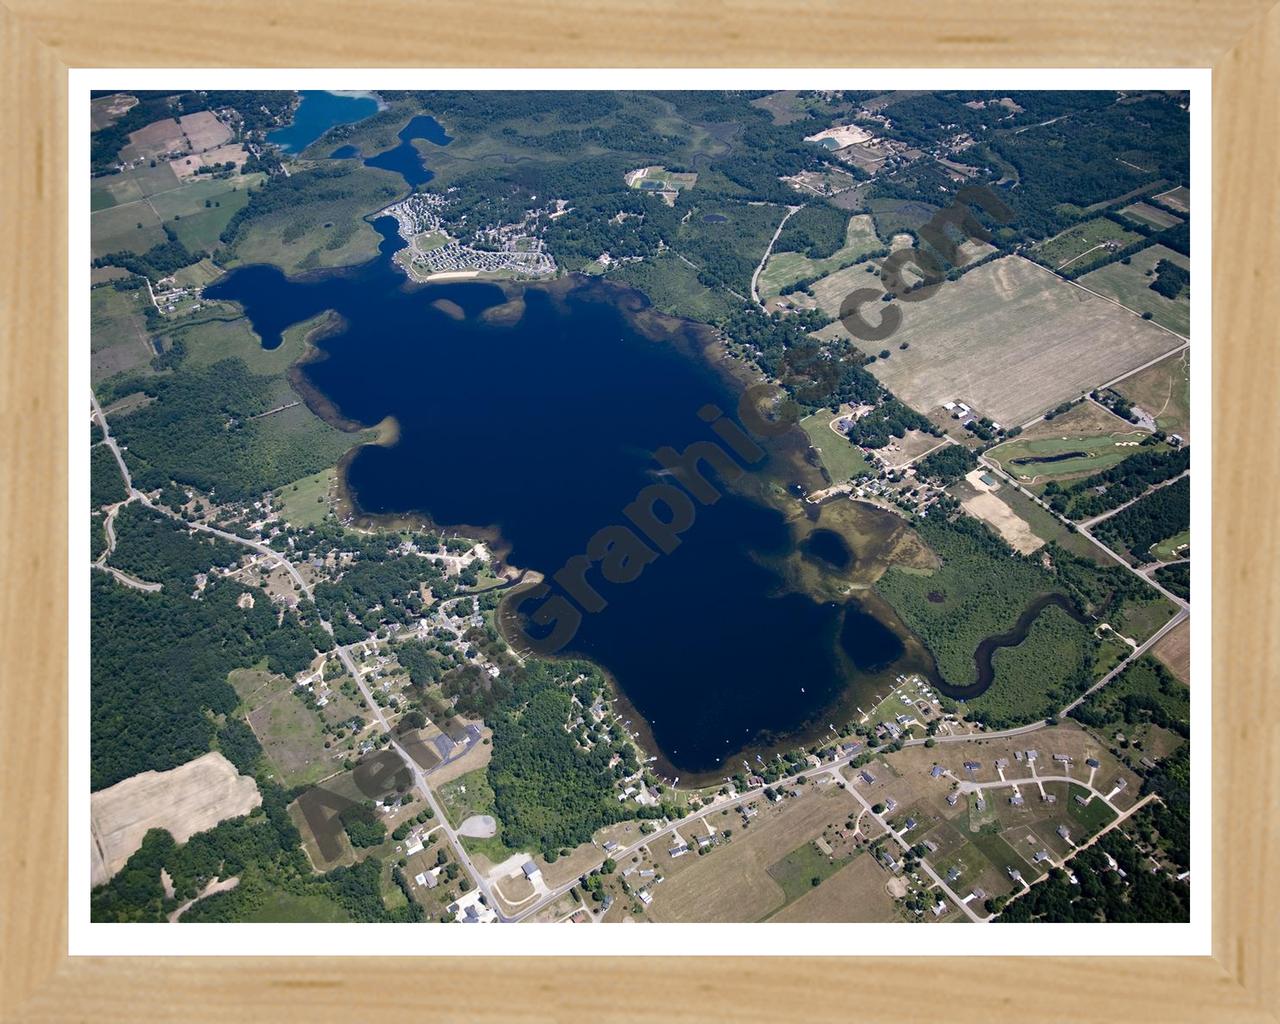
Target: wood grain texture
x,y
40,39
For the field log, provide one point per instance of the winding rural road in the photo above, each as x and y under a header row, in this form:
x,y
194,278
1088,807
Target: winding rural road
x,y
755,278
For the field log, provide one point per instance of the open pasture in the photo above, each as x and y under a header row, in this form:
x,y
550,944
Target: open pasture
x,y
132,228
1084,245
107,110
1013,340
1130,285
1164,391
1151,216
785,268
856,893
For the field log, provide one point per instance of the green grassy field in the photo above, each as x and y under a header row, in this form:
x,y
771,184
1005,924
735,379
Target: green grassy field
x,y
305,502
1045,525
1066,251
1094,815
118,339
132,228
196,223
795,872
212,339
467,795
673,287
784,268
840,458
326,230
1096,454
1164,390
1130,285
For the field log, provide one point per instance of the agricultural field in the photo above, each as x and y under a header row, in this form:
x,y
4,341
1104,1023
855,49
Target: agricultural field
x,y
1174,650
1130,285
1151,216
199,211
855,892
1176,198
131,228
1045,525
1012,340
785,268
118,339
1085,245
1164,392
733,881
185,800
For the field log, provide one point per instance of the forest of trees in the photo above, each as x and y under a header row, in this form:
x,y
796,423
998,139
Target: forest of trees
x,y
946,465
1170,279
1161,514
1122,482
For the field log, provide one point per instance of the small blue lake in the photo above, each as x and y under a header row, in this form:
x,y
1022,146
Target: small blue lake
x,y
319,111
405,159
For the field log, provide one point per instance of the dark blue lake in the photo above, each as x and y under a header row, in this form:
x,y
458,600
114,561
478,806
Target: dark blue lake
x,y
317,112
540,433
405,159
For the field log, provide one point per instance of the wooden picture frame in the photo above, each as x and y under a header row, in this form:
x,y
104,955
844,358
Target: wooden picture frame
x,y
41,39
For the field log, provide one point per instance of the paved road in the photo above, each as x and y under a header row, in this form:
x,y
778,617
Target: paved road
x,y
1089,523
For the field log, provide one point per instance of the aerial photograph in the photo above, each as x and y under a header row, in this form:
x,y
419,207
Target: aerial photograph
x,y
627,507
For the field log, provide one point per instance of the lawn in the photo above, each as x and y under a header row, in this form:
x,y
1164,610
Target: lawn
x,y
1130,285
785,268
1167,550
1094,816
841,459
1082,245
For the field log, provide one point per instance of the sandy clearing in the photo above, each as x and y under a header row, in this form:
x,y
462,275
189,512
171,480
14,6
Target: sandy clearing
x,y
188,799
479,826
995,513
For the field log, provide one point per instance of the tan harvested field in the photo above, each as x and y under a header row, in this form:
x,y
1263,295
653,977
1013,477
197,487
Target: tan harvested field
x,y
1174,649
185,800
1150,215
1088,419
155,139
107,110
902,451
732,883
1012,340
188,166
854,893
1000,517
204,131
